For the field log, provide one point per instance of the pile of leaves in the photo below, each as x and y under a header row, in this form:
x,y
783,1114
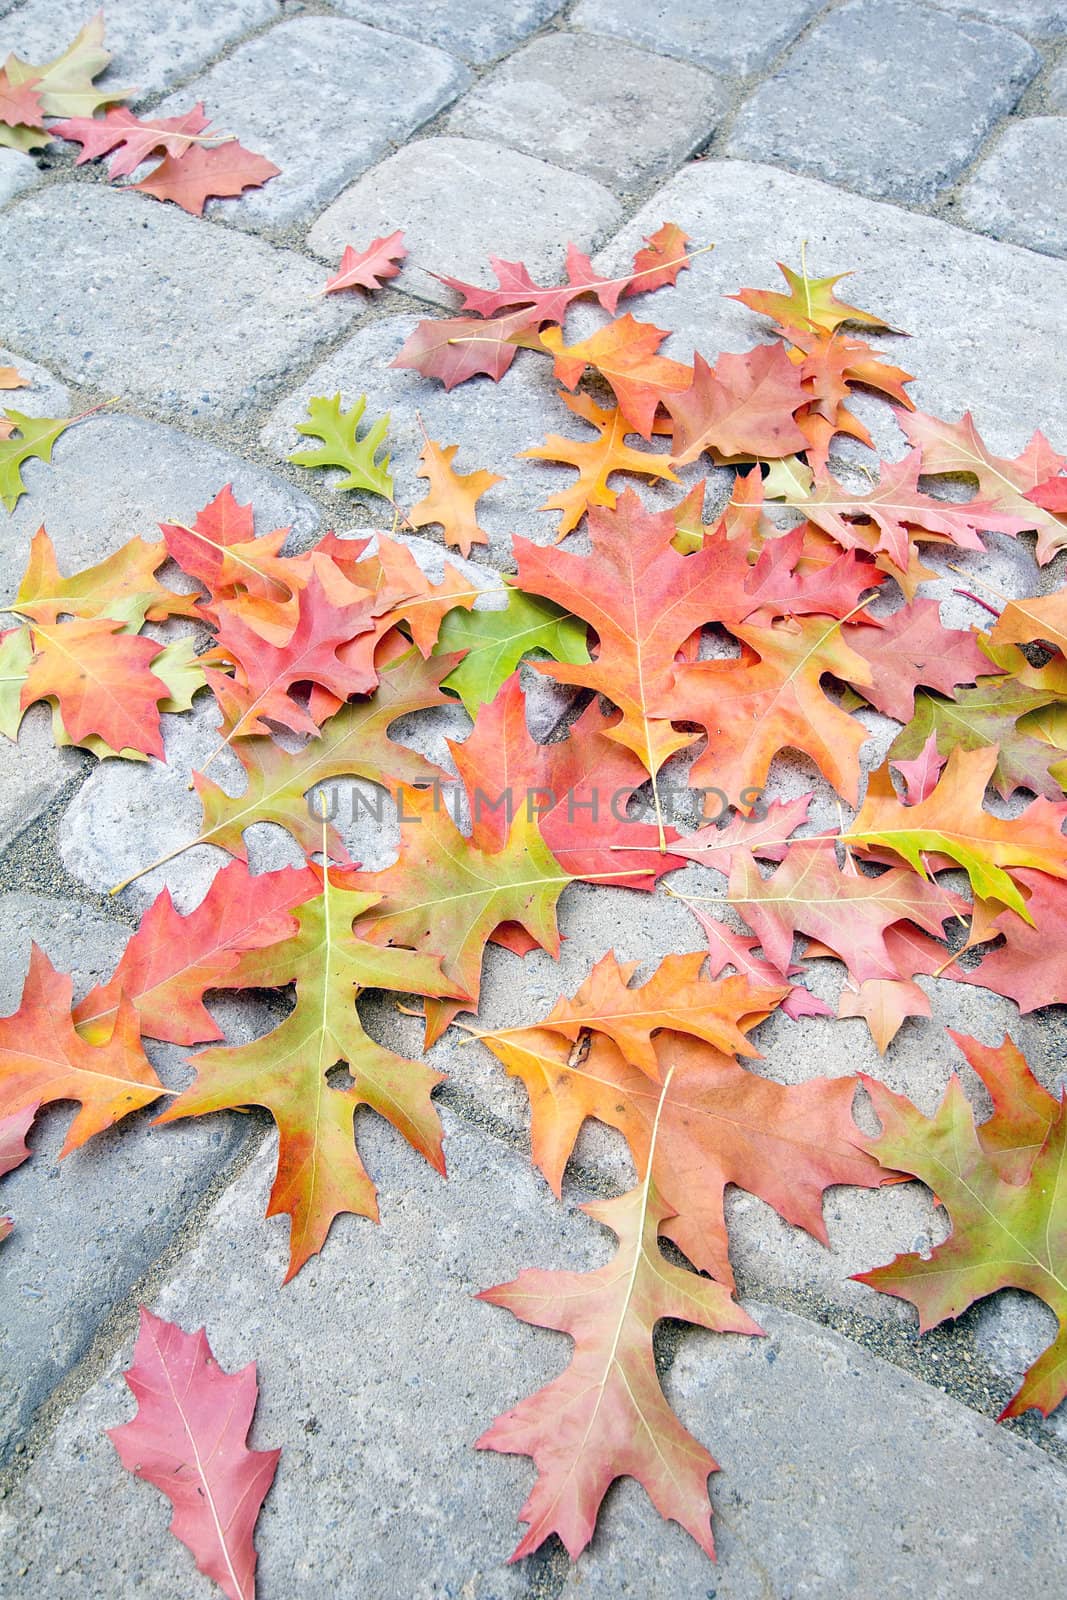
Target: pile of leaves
x,y
816,618
59,100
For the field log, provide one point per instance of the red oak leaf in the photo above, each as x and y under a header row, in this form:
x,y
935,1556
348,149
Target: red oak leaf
x,y
370,268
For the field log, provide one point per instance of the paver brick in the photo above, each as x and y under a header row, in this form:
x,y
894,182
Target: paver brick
x,y
378,1370
114,477
87,1227
861,101
460,201
1019,191
841,1476
986,319
153,43
1026,16
717,34
598,105
322,98
476,30
131,296
17,172
32,771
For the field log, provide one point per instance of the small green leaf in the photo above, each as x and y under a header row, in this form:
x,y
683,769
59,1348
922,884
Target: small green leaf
x,y
342,447
34,439
496,641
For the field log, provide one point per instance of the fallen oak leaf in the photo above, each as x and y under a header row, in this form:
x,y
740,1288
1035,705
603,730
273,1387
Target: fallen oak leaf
x,y
1007,1222
1051,495
660,260
101,679
492,644
320,1174
950,822
64,86
810,303
625,354
29,439
911,647
129,140
454,349
452,498
189,1440
20,105
202,173
122,587
606,1416
13,1130
370,268
43,1059
595,461
343,447
996,712
743,407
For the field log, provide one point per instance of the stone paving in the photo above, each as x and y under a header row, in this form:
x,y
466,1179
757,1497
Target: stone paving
x,y
923,145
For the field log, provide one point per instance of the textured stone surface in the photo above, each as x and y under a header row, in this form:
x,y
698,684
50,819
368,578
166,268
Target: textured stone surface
x,y
87,1227
17,172
44,395
460,201
597,105
491,423
153,43
1025,16
1055,93
1019,192
841,1476
134,297
32,772
378,1370
380,1421
113,477
987,320
476,30
322,98
726,38
861,99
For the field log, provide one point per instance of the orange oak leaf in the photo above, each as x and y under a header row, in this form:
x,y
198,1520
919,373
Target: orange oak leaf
x,y
644,600
370,268
951,823
770,699
709,1122
42,1058
132,140
100,679
220,548
659,262
189,1439
123,587
266,673
675,997
173,960
957,448
1041,618
884,1004
606,1416
190,180
595,460
742,407
831,365
319,1171
625,354
453,497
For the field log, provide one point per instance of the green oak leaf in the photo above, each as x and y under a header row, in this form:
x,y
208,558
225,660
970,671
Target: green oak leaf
x,y
496,641
15,653
997,712
342,446
33,440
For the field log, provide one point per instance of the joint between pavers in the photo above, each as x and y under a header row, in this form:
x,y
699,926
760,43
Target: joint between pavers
x,y
117,1327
